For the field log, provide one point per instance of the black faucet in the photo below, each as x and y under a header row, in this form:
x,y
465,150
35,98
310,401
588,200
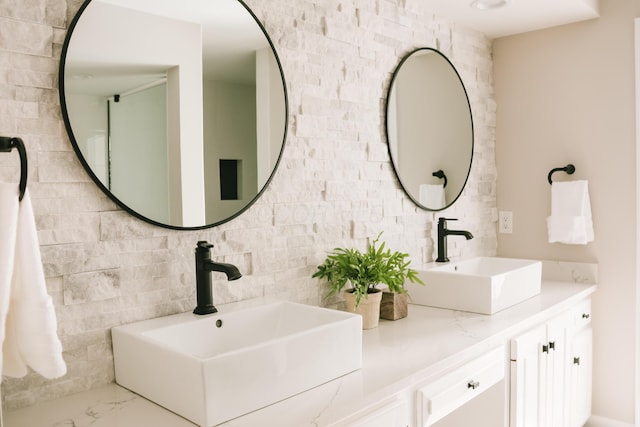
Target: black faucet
x,y
204,267
443,232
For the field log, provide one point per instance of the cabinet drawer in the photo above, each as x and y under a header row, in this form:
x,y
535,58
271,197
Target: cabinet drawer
x,y
443,396
581,314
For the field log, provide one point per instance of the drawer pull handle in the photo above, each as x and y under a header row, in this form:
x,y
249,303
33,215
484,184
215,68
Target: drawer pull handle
x,y
585,315
473,385
576,361
551,345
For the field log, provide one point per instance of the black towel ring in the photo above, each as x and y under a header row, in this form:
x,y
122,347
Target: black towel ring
x,y
440,174
570,169
6,145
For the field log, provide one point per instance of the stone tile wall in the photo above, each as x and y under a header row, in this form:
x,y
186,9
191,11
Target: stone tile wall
x,y
335,185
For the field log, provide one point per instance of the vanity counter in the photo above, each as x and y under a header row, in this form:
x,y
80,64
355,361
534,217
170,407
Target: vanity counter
x,y
396,355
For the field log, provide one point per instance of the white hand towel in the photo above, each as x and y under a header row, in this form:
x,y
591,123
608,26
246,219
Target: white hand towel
x,y
432,196
570,221
28,319
8,228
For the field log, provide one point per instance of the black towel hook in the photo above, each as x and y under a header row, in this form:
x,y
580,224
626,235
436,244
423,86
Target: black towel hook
x,y
440,174
6,145
570,169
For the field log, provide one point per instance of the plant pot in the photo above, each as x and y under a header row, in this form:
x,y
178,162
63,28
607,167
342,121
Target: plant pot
x,y
393,306
369,307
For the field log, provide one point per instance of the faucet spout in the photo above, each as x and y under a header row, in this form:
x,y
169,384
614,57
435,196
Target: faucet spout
x,y
204,267
464,233
443,232
230,270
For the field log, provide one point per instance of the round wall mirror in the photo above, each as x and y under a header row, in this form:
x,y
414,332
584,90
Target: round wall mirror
x,y
177,109
429,129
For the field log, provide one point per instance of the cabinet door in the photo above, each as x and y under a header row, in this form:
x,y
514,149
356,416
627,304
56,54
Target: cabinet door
x,y
528,378
555,352
579,378
538,375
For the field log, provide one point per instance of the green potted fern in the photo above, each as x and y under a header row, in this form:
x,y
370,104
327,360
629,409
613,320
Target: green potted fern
x,y
360,273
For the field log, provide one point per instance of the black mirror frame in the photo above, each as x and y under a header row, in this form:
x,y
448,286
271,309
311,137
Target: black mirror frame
x,y
96,180
386,123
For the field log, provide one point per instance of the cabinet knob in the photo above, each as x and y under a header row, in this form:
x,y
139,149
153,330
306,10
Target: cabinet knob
x,y
585,315
473,385
552,345
576,361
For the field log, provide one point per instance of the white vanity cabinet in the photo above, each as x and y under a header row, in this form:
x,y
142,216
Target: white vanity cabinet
x,y
540,375
437,367
551,371
426,403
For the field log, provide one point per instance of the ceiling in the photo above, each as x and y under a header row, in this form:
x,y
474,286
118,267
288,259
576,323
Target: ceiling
x,y
518,16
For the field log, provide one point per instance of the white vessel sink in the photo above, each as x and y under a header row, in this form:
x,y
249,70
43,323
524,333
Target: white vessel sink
x,y
483,285
210,369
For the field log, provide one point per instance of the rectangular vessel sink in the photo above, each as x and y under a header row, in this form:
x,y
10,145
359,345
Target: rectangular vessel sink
x,y
483,285
210,369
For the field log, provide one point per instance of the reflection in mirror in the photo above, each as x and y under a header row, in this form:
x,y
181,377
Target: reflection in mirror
x,y
429,129
177,108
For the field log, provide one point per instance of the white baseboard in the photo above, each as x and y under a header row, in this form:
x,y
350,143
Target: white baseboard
x,y
596,421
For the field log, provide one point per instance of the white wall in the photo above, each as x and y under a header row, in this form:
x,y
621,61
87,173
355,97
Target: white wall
x,y
565,95
229,133
270,111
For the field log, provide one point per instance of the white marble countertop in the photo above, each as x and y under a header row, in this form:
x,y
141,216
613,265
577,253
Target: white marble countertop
x,y
395,355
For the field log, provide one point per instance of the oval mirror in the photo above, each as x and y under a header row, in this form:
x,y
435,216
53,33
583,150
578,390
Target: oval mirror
x,y
429,129
176,108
